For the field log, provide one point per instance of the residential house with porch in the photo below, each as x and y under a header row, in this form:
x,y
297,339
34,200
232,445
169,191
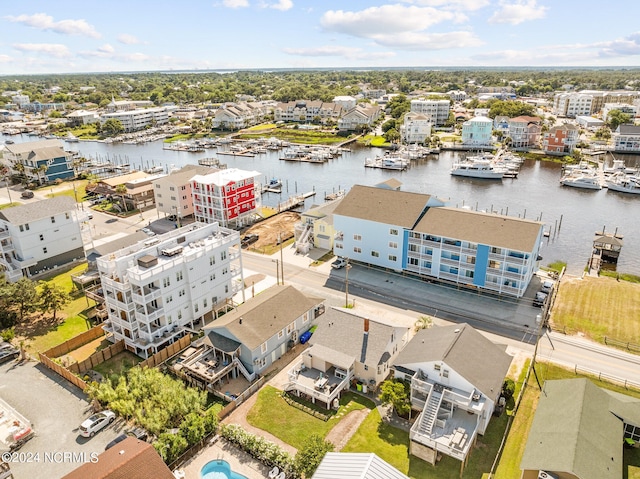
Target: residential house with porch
x,y
345,347
456,377
626,139
172,192
578,432
477,131
139,192
315,229
416,128
524,131
362,115
40,161
250,338
560,140
159,289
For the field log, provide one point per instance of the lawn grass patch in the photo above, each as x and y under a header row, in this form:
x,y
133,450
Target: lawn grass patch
x,y
185,136
78,194
9,205
595,306
264,126
306,137
271,413
118,365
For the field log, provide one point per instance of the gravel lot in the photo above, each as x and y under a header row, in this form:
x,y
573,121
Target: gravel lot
x,y
56,409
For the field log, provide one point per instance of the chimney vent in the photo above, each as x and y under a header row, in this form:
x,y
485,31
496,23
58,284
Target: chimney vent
x,y
366,325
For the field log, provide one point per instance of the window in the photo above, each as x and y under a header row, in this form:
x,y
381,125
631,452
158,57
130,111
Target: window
x,y
225,270
169,299
223,255
393,244
357,250
436,367
413,261
375,254
393,232
291,327
393,257
53,219
445,373
196,308
212,261
413,248
263,347
41,237
157,185
179,315
166,282
226,288
44,250
280,333
212,277
204,303
179,276
181,293
357,237
26,226
21,228
171,188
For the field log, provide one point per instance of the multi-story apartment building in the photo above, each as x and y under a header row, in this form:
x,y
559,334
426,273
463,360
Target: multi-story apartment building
x,y
230,197
436,110
560,139
38,236
234,116
307,111
525,131
159,288
477,131
572,104
627,139
416,128
345,101
173,192
42,161
127,105
139,119
362,115
416,233
20,100
631,110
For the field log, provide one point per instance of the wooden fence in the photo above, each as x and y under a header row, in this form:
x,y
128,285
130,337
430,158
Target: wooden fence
x,y
164,354
228,409
97,358
62,371
75,342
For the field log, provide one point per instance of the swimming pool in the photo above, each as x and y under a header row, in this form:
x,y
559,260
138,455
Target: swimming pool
x,y
219,469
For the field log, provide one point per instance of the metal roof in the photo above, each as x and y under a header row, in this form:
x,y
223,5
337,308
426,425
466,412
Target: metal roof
x,y
355,465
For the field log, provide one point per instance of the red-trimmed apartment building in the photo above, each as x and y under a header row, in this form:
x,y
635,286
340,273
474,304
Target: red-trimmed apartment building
x,y
230,197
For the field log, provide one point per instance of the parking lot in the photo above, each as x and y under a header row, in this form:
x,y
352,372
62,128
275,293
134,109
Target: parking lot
x,y
56,409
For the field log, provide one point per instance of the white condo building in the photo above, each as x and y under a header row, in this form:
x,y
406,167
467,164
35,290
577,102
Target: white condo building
x,y
159,288
416,128
39,236
134,120
436,110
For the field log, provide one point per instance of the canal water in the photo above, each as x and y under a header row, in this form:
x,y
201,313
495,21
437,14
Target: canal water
x,y
571,215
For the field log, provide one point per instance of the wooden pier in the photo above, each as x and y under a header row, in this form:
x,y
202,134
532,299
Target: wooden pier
x,y
606,249
213,162
294,201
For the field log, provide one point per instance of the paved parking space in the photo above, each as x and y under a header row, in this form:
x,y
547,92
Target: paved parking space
x,y
56,409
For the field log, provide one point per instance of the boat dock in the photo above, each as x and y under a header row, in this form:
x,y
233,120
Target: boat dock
x,y
248,153
294,201
387,163
213,162
606,249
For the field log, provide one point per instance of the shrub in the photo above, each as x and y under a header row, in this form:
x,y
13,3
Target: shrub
x,y
8,334
508,388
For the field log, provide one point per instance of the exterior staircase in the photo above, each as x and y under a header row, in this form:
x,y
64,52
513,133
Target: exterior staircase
x,y
430,412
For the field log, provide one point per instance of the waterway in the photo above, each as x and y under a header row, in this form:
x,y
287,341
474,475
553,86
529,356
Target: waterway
x,y
571,215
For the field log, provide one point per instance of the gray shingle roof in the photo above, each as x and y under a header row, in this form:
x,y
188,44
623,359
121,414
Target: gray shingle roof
x,y
483,228
265,315
629,129
466,351
573,431
343,332
20,148
37,210
355,465
383,206
184,174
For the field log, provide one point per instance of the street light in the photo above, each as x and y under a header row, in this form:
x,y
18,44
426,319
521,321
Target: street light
x,y
346,287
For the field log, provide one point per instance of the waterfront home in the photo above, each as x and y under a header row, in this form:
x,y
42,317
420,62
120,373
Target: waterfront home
x,y
436,110
161,288
456,377
560,140
138,119
578,431
416,128
626,139
362,115
415,233
524,131
40,161
345,101
345,348
139,189
234,116
173,193
229,196
307,111
39,236
82,117
253,336
477,131
315,228
355,465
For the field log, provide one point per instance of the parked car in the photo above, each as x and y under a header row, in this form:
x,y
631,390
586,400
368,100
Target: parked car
x,y
8,352
96,200
547,286
138,433
27,194
339,263
249,239
172,217
147,231
96,422
540,298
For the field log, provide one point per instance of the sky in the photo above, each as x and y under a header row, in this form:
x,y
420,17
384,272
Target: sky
x,y
69,36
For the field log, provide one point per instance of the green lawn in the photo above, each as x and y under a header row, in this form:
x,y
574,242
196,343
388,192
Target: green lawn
x,y
78,195
117,365
9,205
271,413
307,137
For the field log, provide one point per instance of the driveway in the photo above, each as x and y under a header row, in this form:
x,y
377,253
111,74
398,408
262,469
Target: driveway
x,y
55,409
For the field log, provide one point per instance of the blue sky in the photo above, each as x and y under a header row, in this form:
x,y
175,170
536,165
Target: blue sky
x,y
101,36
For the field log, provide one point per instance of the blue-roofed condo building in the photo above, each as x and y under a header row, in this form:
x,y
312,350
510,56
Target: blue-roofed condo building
x,y
42,161
416,233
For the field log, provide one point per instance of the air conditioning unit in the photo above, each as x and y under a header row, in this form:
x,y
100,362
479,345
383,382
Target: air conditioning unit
x,y
546,475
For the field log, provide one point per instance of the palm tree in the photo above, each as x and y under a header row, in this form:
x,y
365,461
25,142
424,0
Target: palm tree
x,y
4,171
19,167
423,322
122,190
40,170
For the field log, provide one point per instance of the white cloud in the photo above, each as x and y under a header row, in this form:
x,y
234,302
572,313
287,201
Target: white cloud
x,y
429,41
282,5
518,12
629,45
5,59
350,53
128,39
388,19
42,21
235,3
53,49
463,5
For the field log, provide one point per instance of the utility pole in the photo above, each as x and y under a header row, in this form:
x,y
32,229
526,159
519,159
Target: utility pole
x,y
281,261
346,284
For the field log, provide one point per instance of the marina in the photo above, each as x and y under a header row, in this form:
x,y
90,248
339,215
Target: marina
x,y
536,194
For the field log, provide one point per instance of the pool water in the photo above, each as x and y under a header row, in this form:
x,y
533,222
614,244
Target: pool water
x,y
219,469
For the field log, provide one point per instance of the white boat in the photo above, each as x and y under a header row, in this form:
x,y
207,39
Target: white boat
x,y
478,167
618,166
71,138
624,184
586,181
